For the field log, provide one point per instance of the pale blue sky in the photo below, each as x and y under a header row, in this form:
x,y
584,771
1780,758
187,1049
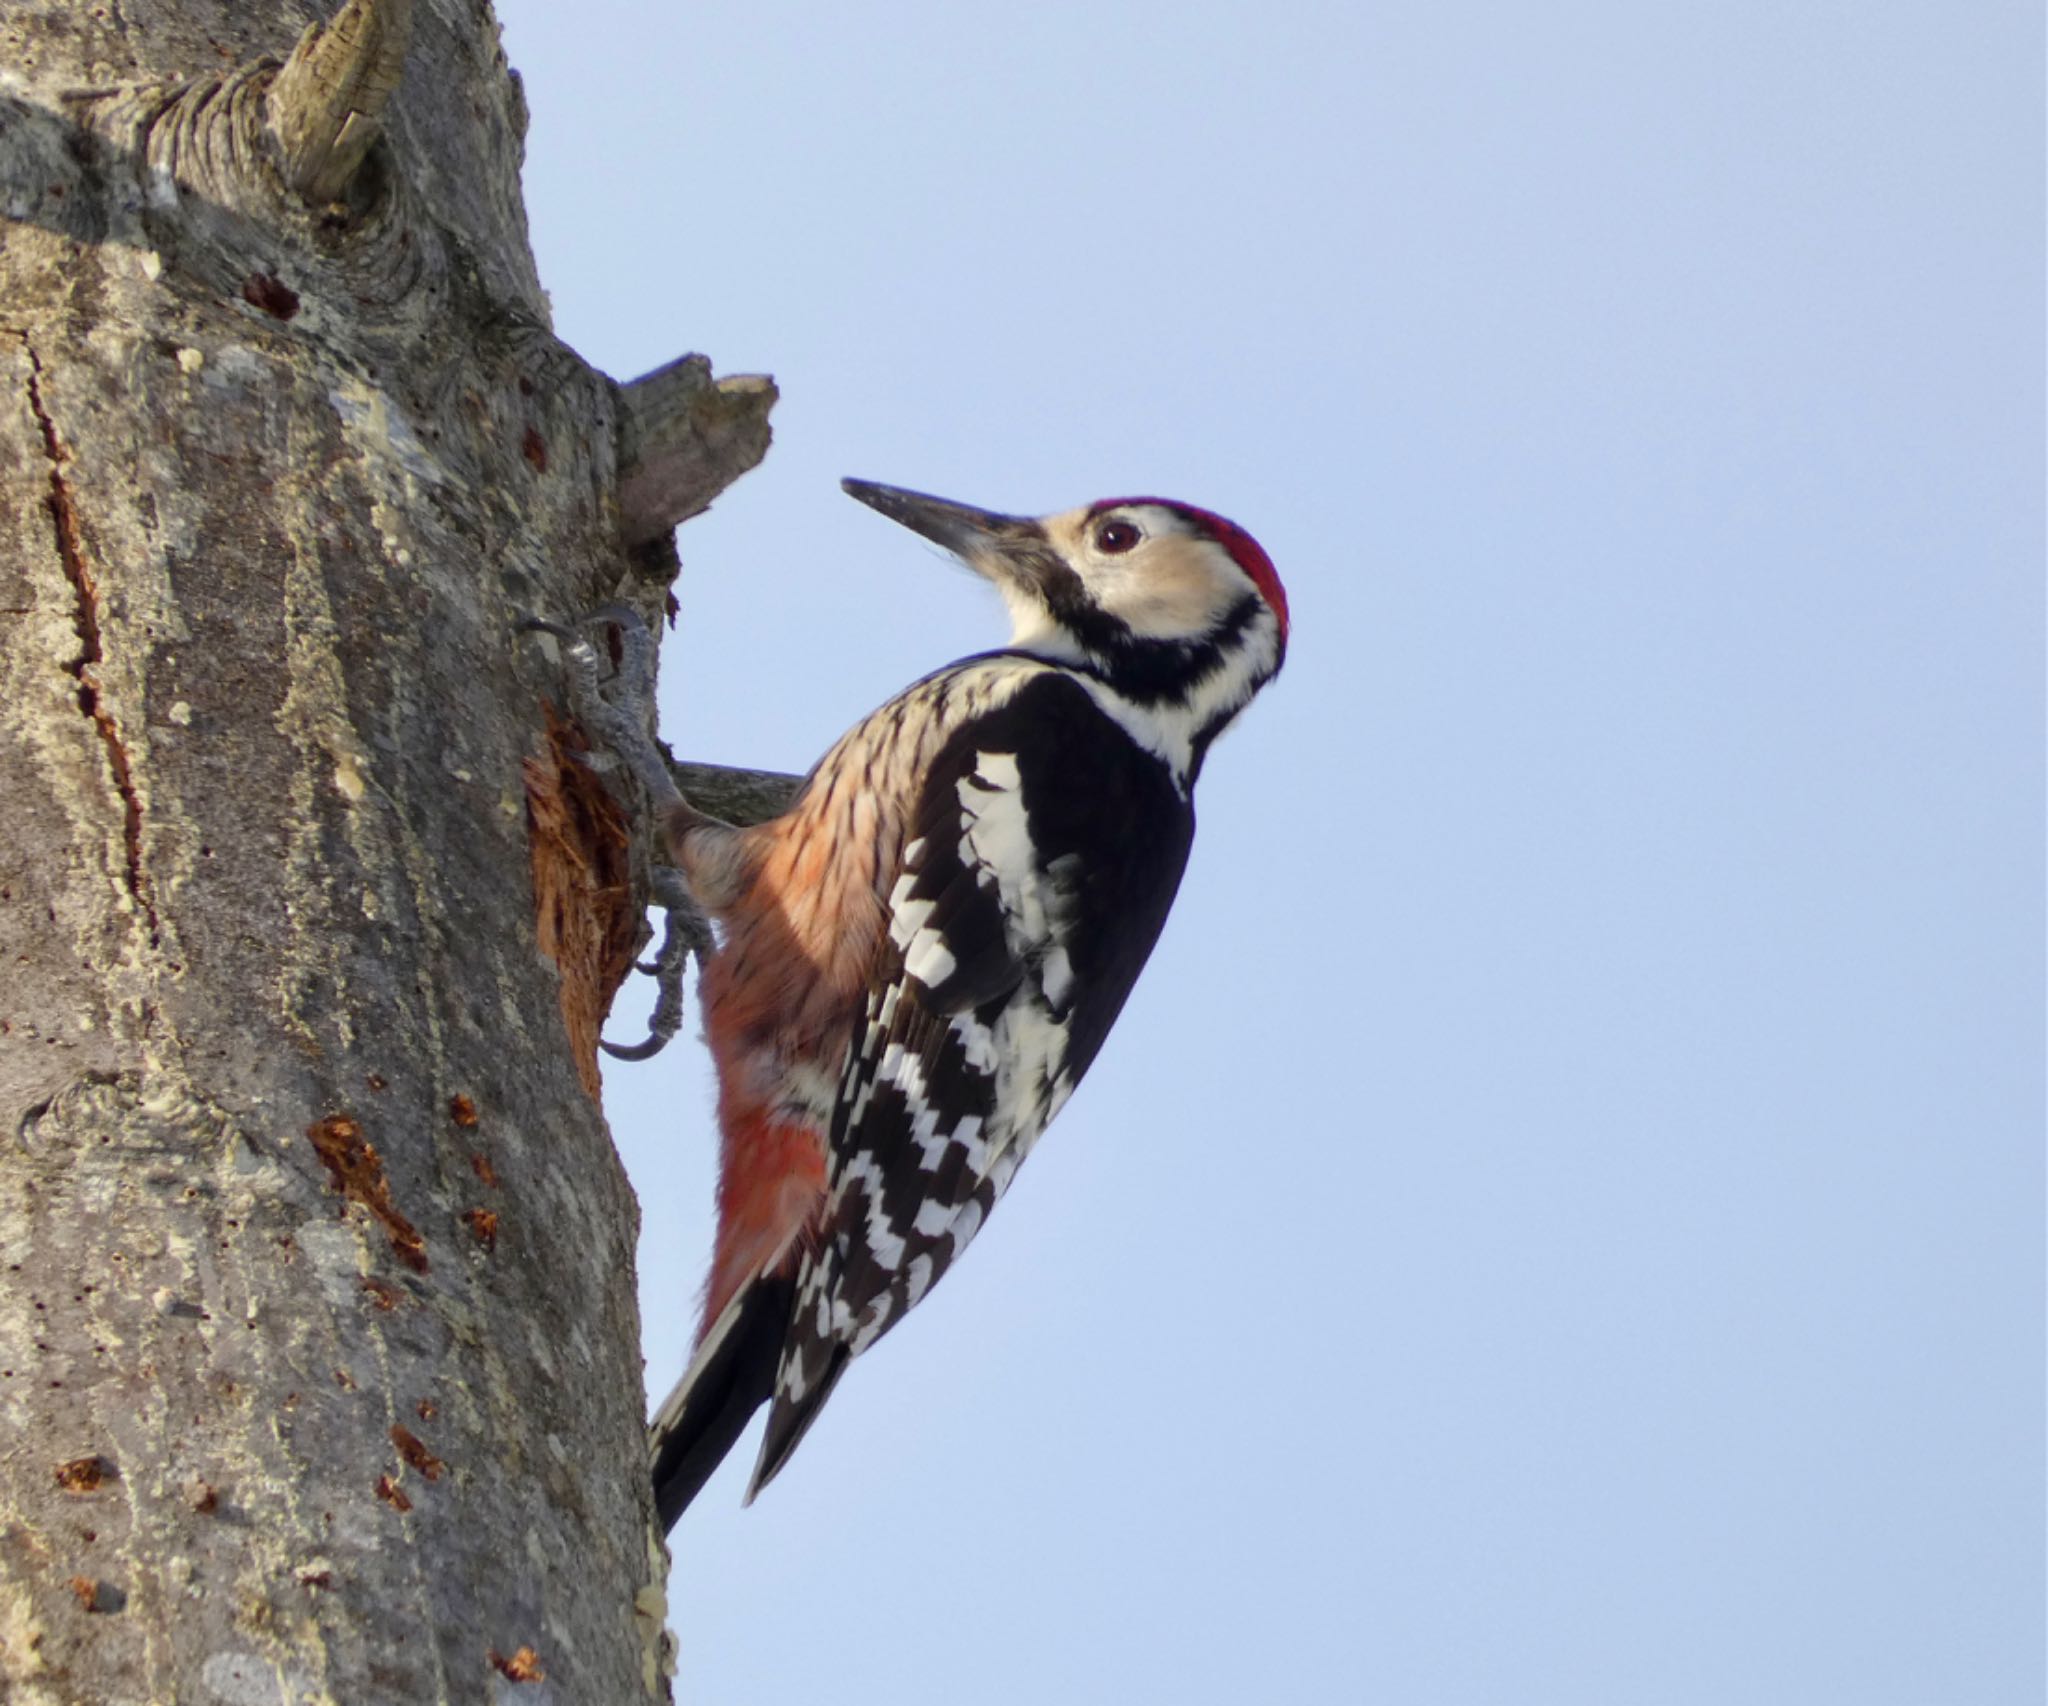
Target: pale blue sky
x,y
1561,1219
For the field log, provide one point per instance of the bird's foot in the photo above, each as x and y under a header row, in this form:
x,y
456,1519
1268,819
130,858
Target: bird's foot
x,y
615,707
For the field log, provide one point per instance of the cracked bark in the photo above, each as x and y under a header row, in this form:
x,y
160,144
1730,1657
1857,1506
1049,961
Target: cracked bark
x,y
91,655
319,1372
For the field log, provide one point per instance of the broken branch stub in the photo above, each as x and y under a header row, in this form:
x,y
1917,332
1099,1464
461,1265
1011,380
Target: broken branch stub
x,y
739,797
683,438
327,104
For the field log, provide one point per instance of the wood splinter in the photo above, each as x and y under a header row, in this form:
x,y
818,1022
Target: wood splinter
x,y
327,103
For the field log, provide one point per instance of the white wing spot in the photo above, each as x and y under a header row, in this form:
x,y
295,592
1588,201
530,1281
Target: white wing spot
x,y
880,1314
926,955
966,1223
997,834
1057,975
998,769
928,959
977,1044
885,1244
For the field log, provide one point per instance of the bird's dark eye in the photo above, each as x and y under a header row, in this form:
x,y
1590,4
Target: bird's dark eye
x,y
1116,536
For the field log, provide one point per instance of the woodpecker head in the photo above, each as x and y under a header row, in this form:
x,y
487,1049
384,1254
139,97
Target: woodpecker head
x,y
1176,609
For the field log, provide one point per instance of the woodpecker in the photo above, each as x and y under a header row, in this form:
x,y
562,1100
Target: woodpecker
x,y
915,964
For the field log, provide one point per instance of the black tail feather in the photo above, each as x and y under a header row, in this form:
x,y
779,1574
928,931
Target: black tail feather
x,y
733,1377
790,1419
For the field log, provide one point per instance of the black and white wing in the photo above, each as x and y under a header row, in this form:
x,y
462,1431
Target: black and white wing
x,y
1042,857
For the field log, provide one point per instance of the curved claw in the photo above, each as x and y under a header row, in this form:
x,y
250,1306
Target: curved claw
x,y
637,646
681,929
647,1050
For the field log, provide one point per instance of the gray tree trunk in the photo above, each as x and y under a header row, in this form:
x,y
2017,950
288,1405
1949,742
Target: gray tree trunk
x,y
319,1366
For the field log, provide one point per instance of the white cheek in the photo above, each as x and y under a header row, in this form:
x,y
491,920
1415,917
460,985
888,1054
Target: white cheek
x,y
1170,602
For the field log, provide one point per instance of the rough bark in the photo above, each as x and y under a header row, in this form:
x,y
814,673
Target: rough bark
x,y
319,1372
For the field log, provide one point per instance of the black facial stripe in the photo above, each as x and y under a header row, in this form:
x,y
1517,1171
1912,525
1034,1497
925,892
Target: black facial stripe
x,y
1156,672
1066,596
1150,672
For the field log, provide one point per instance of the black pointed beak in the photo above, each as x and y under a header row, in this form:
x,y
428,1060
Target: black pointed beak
x,y
1002,547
